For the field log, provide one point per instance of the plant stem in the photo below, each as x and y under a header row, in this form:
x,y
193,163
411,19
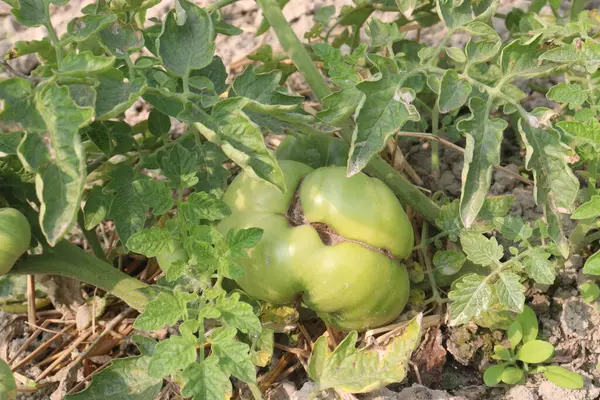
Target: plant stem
x,y
576,8
435,145
68,260
201,338
593,169
52,32
186,82
592,238
219,4
440,47
292,45
377,167
434,289
91,238
130,68
424,243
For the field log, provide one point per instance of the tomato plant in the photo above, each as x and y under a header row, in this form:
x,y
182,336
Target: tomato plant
x,y
320,221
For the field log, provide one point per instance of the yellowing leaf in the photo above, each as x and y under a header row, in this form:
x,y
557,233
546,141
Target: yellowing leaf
x,y
362,370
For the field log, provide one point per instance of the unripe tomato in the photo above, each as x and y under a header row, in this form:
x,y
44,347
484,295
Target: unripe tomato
x,y
337,242
15,235
165,260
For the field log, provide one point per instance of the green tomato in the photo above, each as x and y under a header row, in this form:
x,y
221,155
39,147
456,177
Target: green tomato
x,y
15,235
165,260
355,281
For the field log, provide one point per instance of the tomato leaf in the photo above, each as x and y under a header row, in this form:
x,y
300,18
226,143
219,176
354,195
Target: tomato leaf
x,y
233,355
510,291
81,28
96,207
448,262
120,39
19,105
471,295
9,142
206,381
362,370
180,166
238,314
238,137
202,205
539,268
60,185
187,45
33,152
172,355
114,95
262,348
125,378
481,250
151,241
385,108
482,153
154,194
454,92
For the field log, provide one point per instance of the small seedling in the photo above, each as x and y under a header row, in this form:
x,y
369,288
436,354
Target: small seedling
x,y
525,352
589,291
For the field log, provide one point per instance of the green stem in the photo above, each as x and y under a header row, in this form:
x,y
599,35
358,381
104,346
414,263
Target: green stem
x,y
576,8
186,82
219,4
593,169
377,167
335,25
425,243
591,238
91,238
68,260
434,289
201,338
435,145
356,37
440,47
52,32
293,47
130,68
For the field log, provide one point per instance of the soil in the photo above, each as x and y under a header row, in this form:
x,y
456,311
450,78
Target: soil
x,y
450,360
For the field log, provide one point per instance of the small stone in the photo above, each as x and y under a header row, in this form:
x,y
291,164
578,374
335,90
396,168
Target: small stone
x,y
521,392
